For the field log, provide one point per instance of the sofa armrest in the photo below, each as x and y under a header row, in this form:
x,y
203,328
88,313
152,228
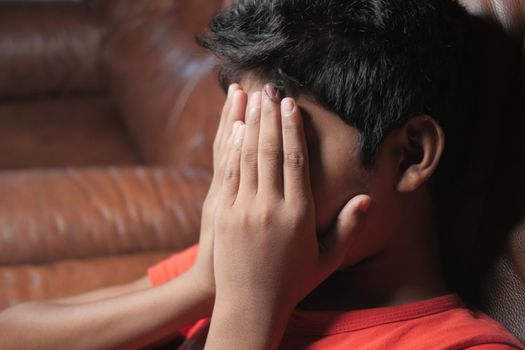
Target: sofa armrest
x,y
53,215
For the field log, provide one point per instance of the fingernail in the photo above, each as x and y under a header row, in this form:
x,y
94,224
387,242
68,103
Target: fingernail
x,y
255,101
230,89
365,205
271,92
236,126
287,106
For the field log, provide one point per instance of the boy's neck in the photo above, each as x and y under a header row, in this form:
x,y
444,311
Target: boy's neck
x,y
407,271
377,282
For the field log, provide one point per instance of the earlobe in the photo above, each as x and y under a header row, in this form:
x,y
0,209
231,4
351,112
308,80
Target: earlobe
x,y
422,142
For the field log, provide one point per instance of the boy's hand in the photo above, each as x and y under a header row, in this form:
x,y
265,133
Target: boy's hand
x,y
231,117
266,253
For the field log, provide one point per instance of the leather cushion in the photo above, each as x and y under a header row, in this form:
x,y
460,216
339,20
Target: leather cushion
x,y
54,215
62,132
65,278
49,48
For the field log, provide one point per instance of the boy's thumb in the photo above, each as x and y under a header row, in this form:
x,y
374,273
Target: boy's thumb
x,y
348,225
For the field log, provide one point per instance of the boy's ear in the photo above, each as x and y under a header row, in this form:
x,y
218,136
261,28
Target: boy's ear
x,y
421,141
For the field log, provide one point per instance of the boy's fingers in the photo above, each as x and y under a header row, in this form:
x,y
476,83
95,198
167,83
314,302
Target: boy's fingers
x,y
295,153
221,167
225,110
269,157
250,144
221,134
236,113
226,151
349,223
219,162
233,168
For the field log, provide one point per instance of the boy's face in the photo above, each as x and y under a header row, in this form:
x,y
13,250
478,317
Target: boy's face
x,y
336,172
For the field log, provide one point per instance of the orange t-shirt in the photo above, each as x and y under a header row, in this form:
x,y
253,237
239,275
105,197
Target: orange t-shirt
x,y
438,323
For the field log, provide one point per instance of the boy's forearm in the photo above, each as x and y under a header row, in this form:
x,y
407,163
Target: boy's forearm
x,y
247,323
107,323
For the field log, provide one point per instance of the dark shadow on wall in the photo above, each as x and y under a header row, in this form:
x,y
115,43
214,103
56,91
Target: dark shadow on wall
x,y
483,227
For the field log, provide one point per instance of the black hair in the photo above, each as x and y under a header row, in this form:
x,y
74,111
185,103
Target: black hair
x,y
375,63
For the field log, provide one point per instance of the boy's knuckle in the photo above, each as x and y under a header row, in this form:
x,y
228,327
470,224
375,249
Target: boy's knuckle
x,y
232,174
266,215
252,118
249,157
294,158
244,218
265,220
271,151
290,128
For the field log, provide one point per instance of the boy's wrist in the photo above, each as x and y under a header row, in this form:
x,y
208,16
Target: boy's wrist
x,y
266,310
203,289
253,298
261,321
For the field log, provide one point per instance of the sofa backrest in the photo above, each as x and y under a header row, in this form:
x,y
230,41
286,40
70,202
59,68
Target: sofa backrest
x,y
164,85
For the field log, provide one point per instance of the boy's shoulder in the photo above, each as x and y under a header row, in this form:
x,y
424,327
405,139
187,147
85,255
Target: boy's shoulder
x,y
439,323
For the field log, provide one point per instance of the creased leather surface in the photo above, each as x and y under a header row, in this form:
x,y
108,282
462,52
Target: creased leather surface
x,y
504,295
192,15
51,215
517,250
59,211
164,86
49,48
65,278
117,11
63,132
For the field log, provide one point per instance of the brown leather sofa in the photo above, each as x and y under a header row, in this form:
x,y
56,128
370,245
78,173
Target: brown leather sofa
x,y
107,115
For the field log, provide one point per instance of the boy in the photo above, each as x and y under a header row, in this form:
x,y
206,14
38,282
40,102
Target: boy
x,y
333,180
